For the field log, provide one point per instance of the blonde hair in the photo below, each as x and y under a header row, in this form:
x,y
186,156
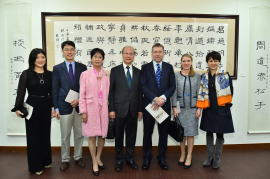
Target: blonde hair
x,y
191,72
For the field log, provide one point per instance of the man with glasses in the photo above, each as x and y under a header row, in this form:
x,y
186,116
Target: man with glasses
x,y
66,77
125,107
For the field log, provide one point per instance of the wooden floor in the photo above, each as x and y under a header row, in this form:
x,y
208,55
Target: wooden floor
x,y
235,164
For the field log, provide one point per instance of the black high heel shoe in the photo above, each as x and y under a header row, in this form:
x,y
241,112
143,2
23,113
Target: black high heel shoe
x,y
188,166
181,163
96,173
101,167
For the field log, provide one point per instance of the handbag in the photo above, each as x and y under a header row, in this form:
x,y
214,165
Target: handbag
x,y
176,130
111,134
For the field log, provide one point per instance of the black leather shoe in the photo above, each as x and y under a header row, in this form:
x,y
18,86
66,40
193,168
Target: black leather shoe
x,y
188,166
132,164
181,163
118,166
163,165
146,164
96,173
101,167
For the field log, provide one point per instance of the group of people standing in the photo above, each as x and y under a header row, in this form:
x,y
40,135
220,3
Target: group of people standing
x,y
122,95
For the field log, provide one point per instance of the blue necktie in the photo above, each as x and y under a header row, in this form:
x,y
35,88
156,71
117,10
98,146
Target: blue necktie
x,y
128,77
158,75
71,75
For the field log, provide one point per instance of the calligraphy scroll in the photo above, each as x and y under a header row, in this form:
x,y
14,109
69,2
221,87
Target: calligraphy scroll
x,y
18,47
259,119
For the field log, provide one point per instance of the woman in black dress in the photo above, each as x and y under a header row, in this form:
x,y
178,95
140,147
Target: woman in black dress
x,y
215,97
38,82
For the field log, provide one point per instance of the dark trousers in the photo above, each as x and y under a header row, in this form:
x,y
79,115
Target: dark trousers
x,y
163,130
128,124
38,135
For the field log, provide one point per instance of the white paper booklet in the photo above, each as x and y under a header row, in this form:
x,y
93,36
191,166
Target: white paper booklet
x,y
29,109
160,115
71,96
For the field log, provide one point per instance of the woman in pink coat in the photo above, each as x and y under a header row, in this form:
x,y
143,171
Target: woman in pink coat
x,y
94,90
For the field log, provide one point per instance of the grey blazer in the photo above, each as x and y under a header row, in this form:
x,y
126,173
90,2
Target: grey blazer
x,y
180,81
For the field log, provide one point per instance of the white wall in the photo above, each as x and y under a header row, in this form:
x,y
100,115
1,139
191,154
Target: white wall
x,y
239,7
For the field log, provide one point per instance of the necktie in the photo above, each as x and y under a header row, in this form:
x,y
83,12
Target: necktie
x,y
71,75
158,75
128,77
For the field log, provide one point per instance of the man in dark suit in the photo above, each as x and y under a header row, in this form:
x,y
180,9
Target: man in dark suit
x,y
125,106
66,76
158,85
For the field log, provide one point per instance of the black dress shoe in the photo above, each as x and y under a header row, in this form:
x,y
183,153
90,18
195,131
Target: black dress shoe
x,y
118,166
163,165
96,173
132,164
146,164
101,167
181,163
188,166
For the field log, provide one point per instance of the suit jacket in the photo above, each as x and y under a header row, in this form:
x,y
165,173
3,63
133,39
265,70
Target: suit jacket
x,y
97,119
61,84
150,87
121,98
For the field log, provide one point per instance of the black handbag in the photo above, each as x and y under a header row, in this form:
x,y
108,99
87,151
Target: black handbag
x,y
176,131
110,134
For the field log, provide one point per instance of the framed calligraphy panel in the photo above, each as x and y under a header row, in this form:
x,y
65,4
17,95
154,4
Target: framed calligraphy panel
x,y
196,34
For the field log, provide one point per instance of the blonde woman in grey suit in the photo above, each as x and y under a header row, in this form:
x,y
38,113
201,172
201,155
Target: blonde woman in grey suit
x,y
187,88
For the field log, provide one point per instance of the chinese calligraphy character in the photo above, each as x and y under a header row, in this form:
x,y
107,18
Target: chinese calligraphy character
x,y
100,39
111,26
220,29
145,40
259,105
78,39
199,29
89,51
20,42
211,40
78,53
221,41
167,40
189,28
88,27
112,64
189,39
134,27
199,41
261,76
112,52
111,40
17,74
122,39
167,52
178,52
156,28
178,40
156,39
89,63
177,65
210,29
145,27
178,28
123,28
89,39
260,61
260,91
19,58
134,40
100,27
199,54
78,26
167,28
144,53
261,45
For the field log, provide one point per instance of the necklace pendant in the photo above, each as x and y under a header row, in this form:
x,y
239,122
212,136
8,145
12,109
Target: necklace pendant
x,y
41,81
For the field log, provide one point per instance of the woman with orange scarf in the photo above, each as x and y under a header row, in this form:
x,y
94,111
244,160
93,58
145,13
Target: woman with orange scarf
x,y
215,97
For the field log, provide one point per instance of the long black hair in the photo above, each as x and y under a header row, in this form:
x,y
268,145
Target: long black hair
x,y
32,58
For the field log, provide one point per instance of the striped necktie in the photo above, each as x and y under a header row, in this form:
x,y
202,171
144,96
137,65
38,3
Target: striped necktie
x,y
158,75
128,77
